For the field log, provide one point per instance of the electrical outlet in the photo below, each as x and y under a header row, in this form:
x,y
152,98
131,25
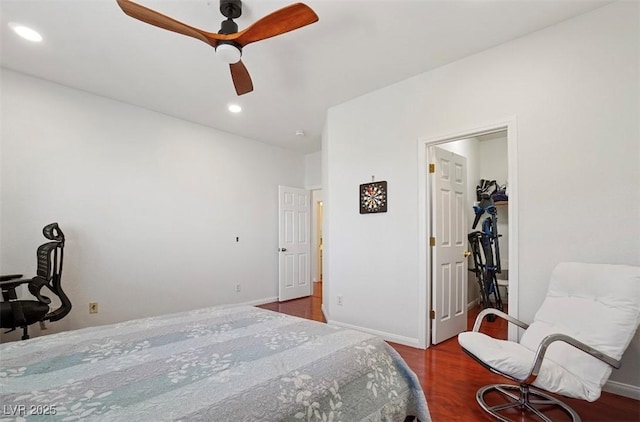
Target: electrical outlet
x,y
93,307
238,287
339,300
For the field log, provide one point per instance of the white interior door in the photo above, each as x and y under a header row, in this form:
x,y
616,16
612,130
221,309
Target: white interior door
x,y
295,244
448,263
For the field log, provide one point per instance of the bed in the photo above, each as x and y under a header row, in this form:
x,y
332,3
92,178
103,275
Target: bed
x,y
214,364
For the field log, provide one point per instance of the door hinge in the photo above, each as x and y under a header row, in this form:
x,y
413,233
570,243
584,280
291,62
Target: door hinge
x,y
432,314
432,241
432,168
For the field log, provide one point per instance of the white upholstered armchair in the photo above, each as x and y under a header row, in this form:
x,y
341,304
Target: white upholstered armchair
x,y
585,323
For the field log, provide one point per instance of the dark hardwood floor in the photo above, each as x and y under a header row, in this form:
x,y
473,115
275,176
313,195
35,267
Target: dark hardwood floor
x,y
450,378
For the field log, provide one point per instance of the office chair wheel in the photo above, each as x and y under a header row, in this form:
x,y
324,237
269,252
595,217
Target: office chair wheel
x,y
521,397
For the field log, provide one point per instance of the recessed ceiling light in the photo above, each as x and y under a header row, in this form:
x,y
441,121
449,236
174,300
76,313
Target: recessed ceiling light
x,y
234,108
25,32
300,133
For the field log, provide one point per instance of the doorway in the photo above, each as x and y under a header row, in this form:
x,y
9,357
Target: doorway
x,y
494,148
316,235
316,243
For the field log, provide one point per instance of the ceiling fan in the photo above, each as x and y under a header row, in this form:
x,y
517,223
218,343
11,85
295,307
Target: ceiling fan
x,y
228,42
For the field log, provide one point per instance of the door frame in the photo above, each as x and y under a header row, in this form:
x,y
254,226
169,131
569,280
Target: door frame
x,y
424,217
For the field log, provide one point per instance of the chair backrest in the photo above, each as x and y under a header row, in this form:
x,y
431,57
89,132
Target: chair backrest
x,y
50,256
598,304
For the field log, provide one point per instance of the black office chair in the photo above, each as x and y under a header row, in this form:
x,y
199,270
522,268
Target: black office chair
x,y
16,313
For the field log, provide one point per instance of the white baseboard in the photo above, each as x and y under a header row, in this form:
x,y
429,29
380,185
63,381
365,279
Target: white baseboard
x,y
625,390
258,301
407,341
324,312
473,303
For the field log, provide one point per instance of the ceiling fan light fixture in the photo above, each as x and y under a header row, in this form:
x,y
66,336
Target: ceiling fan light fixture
x,y
228,53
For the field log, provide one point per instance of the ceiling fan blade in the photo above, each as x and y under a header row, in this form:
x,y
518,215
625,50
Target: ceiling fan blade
x,y
154,18
241,78
279,22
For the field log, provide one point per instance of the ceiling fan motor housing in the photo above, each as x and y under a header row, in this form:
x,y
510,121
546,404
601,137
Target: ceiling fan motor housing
x,y
228,27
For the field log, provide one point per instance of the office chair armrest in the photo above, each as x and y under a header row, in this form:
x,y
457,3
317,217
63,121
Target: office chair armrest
x,y
12,284
9,277
492,311
9,284
35,285
542,350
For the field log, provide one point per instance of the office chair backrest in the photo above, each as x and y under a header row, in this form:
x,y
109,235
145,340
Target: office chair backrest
x,y
597,304
50,257
49,260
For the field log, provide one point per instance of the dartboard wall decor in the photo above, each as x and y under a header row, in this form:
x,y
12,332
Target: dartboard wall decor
x,y
373,197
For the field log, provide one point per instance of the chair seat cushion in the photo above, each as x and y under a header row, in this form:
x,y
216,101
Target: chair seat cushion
x,y
33,311
516,361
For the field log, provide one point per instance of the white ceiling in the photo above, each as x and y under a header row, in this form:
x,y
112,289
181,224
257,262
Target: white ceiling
x,y
356,47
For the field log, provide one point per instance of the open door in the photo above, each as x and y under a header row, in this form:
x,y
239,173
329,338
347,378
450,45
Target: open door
x,y
294,243
448,260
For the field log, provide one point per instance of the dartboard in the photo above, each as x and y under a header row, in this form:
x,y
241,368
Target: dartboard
x,y
373,197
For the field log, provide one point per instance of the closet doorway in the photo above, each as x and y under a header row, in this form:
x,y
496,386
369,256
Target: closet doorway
x,y
490,154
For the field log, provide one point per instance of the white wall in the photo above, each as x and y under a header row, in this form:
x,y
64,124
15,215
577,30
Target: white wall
x,y
493,158
573,89
493,166
150,205
313,170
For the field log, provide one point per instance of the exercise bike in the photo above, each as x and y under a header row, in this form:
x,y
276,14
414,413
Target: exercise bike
x,y
485,248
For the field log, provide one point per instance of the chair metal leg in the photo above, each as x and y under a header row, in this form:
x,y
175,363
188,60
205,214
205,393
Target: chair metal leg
x,y
526,398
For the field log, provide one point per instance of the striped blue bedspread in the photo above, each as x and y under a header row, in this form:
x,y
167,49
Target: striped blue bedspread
x,y
214,364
